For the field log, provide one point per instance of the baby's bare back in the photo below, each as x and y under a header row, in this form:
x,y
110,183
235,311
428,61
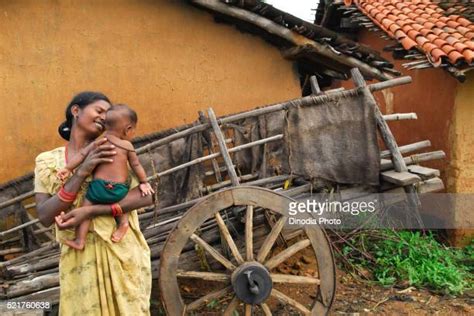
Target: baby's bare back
x,y
116,171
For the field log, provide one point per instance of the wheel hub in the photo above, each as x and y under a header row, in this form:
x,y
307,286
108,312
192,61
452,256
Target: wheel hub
x,y
252,283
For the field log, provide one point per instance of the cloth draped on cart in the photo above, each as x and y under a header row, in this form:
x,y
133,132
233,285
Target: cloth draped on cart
x,y
336,141
105,278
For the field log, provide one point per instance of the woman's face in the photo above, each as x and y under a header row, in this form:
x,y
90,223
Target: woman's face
x,y
91,119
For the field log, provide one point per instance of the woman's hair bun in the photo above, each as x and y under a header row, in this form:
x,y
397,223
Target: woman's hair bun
x,y
64,130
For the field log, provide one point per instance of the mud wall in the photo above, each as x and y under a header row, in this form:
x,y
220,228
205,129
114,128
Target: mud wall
x,y
166,59
431,96
461,166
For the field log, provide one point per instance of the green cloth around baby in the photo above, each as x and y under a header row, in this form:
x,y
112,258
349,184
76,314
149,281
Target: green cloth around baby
x,y
106,192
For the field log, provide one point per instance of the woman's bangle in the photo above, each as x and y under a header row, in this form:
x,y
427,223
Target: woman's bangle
x,y
116,210
66,196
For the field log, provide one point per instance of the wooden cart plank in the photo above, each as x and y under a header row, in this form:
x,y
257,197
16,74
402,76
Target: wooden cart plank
x,y
424,172
401,178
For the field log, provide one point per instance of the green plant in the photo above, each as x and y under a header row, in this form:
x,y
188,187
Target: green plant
x,y
213,304
419,259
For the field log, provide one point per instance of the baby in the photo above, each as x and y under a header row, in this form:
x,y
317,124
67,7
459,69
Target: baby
x,y
109,184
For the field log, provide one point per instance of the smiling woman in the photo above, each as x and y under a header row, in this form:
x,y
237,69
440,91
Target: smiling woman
x,y
111,278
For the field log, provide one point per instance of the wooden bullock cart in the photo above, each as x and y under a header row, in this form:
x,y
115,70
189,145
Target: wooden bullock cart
x,y
218,234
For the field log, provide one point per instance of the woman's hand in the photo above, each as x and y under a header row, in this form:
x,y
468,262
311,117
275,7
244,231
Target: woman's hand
x,y
99,153
74,217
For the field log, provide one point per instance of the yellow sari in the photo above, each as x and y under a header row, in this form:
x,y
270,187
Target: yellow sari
x,y
105,278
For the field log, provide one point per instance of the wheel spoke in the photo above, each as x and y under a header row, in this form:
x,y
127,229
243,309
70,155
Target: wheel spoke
x,y
213,252
266,310
207,298
229,311
288,300
249,233
208,276
287,253
248,310
294,279
270,240
228,238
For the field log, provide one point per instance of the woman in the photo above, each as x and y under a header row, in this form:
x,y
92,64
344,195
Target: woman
x,y
106,278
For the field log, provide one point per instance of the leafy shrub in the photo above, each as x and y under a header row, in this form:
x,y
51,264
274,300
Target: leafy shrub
x,y
419,259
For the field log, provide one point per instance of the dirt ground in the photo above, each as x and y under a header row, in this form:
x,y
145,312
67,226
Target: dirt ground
x,y
353,296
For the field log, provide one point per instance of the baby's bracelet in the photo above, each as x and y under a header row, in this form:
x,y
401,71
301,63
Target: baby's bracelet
x,y
116,210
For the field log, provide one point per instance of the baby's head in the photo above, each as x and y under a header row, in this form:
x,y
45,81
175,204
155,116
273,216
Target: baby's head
x,y
121,120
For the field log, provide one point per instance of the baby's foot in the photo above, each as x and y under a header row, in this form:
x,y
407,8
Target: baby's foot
x,y
120,232
77,244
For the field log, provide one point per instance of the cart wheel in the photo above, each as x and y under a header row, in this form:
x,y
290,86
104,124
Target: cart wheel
x,y
250,277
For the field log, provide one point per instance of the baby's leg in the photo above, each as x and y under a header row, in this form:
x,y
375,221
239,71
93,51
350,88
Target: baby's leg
x,y
81,232
121,229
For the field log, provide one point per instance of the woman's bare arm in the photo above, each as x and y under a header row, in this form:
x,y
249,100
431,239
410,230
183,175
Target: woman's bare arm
x,y
132,201
49,206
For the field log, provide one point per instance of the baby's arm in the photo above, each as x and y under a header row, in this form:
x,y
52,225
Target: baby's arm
x,y
74,162
137,168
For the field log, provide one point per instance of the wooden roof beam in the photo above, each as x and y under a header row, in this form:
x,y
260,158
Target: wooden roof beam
x,y
292,37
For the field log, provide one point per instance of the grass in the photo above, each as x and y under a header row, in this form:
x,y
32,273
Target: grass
x,y
394,257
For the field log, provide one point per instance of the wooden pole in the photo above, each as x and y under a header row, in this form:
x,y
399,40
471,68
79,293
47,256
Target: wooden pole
x,y
42,229
19,198
390,142
19,227
390,83
210,188
224,152
407,148
315,89
211,156
400,116
207,137
414,159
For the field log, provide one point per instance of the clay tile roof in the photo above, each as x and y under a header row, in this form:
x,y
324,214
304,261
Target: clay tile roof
x,y
408,43
460,47
451,40
426,32
465,22
394,27
454,57
421,40
431,37
406,28
399,34
413,33
448,48
425,25
440,42
428,24
468,55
